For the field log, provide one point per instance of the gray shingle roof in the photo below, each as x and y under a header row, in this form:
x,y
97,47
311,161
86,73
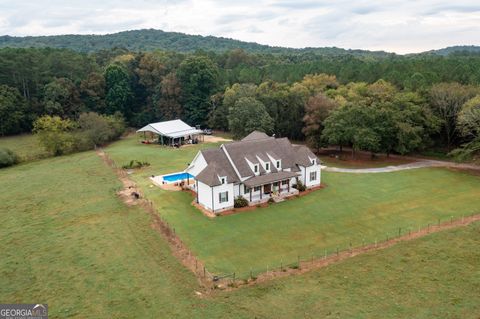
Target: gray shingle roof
x,y
256,135
303,155
218,165
269,178
209,175
281,147
256,144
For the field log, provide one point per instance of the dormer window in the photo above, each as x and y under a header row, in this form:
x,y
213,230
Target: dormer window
x,y
278,164
267,166
314,162
223,179
255,168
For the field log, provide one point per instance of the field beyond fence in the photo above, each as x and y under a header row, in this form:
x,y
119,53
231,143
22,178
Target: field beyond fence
x,y
321,259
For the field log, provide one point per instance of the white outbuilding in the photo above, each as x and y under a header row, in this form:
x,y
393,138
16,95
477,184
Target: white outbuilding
x,y
174,132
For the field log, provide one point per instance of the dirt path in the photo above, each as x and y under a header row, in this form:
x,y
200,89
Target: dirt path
x,y
178,248
419,164
215,139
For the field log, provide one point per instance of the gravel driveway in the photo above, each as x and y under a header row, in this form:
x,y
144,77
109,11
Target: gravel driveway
x,y
387,169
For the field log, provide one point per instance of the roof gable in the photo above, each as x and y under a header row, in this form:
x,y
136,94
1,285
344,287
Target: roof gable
x,y
217,165
256,135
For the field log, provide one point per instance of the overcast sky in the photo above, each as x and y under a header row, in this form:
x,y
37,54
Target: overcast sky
x,y
401,26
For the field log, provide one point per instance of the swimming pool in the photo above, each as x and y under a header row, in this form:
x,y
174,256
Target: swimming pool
x,y
176,177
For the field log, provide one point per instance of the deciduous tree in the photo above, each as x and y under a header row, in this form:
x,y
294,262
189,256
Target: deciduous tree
x,y
248,115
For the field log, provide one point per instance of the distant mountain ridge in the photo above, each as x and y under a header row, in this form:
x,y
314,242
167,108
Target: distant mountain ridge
x,y
151,39
457,49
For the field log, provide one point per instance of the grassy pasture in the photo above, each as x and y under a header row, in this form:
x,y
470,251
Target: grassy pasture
x,y
352,208
26,146
65,239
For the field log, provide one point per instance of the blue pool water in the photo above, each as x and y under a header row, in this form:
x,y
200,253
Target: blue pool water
x,y
176,177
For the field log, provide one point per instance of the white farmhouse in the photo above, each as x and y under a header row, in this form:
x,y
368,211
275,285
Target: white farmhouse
x,y
258,167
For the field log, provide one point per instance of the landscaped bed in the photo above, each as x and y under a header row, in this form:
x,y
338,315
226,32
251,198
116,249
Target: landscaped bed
x,y
351,209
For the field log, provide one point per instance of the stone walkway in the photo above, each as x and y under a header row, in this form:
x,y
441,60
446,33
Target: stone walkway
x,y
387,169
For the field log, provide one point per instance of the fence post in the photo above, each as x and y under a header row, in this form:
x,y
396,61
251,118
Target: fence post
x,y
234,278
399,231
195,263
281,265
350,247
337,251
251,275
325,254
428,228
204,271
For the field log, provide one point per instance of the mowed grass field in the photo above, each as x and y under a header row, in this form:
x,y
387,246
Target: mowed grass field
x,y
353,208
67,240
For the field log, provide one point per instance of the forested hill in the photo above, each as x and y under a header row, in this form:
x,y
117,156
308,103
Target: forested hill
x,y
150,39
457,49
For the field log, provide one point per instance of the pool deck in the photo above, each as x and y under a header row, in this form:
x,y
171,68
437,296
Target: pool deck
x,y
171,186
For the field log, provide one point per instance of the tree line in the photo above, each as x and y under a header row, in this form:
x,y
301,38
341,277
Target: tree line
x,y
381,104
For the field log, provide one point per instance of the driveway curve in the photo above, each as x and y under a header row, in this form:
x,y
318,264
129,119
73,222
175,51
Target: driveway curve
x,y
396,168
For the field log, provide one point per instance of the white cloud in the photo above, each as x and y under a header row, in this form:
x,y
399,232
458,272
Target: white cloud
x,y
393,25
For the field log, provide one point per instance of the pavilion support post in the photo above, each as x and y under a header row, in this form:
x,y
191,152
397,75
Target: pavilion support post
x,y
250,194
288,185
261,191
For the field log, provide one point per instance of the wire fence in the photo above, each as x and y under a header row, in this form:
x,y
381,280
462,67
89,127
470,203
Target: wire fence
x,y
319,258
179,249
316,258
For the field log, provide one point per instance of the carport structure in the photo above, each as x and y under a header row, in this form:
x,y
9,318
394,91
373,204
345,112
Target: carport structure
x,y
174,133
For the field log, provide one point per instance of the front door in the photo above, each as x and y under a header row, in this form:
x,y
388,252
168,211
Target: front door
x,y
267,188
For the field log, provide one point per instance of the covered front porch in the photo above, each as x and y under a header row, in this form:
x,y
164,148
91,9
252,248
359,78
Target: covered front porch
x,y
276,186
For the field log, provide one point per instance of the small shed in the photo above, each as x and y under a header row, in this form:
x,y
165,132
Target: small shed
x,y
174,132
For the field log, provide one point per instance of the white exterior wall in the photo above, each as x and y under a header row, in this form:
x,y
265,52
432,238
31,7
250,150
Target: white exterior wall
x,y
198,164
204,193
205,196
305,175
219,189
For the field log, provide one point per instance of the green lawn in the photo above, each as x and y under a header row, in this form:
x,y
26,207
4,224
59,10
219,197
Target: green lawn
x,y
328,161
67,240
352,208
25,146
